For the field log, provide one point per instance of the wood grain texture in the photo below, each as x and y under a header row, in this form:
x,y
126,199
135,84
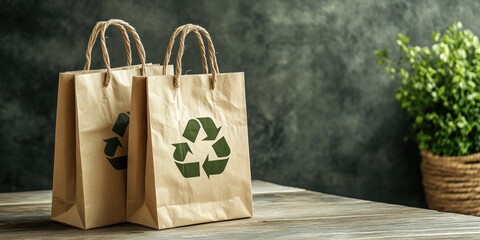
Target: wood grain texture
x,y
287,213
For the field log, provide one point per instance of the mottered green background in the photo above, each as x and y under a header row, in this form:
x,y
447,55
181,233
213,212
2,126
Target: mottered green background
x,y
321,112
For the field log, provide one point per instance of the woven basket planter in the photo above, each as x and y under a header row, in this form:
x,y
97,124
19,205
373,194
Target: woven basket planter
x,y
452,184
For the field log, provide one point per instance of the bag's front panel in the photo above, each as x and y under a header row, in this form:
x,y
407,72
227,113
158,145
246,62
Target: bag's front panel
x,y
199,146
103,115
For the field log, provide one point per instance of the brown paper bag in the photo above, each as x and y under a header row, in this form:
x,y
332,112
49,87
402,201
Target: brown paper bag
x,y
137,140
196,166
89,181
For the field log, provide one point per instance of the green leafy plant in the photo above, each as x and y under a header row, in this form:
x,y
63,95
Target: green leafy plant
x,y
440,89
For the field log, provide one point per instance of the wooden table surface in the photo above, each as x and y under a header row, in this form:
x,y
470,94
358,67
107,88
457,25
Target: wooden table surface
x,y
280,212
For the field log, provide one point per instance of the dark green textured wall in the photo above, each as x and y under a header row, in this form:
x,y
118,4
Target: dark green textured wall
x,y
321,112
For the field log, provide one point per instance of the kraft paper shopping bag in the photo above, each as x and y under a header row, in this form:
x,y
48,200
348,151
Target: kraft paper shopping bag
x,y
89,182
138,141
196,165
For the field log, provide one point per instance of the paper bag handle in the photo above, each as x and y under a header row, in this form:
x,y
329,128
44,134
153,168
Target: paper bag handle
x,y
186,29
201,45
138,44
93,38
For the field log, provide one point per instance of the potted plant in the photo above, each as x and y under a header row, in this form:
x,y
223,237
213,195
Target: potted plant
x,y
440,91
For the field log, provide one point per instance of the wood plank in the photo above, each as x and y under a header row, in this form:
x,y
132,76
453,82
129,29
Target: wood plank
x,y
289,215
45,196
262,187
33,197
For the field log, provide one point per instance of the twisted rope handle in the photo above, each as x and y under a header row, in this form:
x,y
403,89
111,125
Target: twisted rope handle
x,y
138,44
211,54
186,29
93,38
201,45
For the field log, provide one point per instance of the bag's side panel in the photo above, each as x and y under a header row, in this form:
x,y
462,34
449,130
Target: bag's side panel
x,y
64,197
232,97
137,209
150,183
141,202
216,184
137,142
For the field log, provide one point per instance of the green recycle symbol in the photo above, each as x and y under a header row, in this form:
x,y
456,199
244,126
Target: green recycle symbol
x,y
120,127
221,148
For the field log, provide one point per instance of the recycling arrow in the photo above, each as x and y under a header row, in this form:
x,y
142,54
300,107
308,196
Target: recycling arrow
x,y
120,128
119,163
214,167
191,130
181,150
111,147
121,124
220,147
210,129
189,170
